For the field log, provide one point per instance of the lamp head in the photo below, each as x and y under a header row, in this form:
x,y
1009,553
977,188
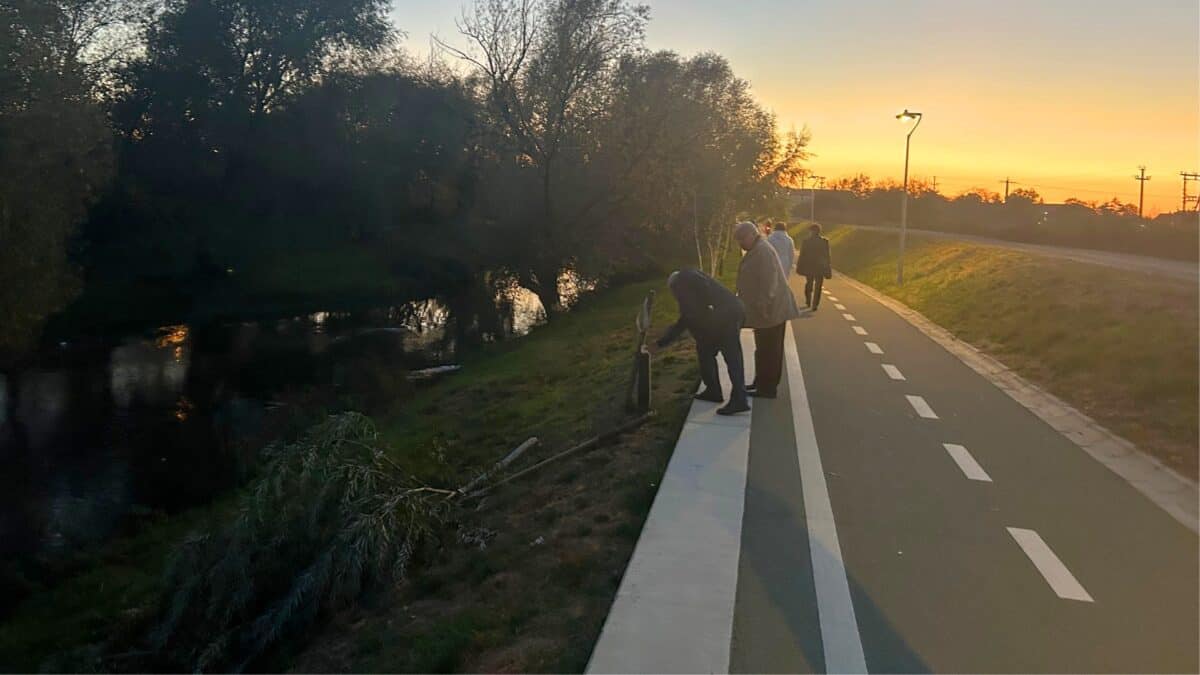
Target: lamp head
x,y
908,115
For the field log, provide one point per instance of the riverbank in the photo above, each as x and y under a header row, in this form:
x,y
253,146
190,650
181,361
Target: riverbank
x,y
1119,346
533,596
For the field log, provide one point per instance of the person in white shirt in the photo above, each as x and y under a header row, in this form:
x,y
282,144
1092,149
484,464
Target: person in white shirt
x,y
784,247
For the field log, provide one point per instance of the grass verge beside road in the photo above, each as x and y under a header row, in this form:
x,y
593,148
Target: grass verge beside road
x,y
1119,346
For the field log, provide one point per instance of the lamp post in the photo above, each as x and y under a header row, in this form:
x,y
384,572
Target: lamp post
x,y
905,116
812,201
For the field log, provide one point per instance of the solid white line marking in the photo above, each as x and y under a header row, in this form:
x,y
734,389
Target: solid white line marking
x,y
873,348
921,407
966,462
673,612
849,317
1061,581
860,330
835,610
893,372
839,306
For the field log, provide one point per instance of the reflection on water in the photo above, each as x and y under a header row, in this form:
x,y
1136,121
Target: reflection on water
x,y
93,434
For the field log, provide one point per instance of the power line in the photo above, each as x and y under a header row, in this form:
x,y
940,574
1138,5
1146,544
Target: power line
x,y
1189,176
1006,182
1141,179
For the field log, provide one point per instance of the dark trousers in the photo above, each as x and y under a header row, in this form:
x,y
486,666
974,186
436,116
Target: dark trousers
x,y
812,289
725,340
768,357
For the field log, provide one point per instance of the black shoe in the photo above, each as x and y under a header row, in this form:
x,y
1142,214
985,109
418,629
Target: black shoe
x,y
751,387
711,396
814,308
733,408
762,394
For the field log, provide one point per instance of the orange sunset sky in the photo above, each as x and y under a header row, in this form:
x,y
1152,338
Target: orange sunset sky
x,y
1066,97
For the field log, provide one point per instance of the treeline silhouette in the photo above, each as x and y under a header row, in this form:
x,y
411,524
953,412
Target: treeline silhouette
x,y
164,157
1024,216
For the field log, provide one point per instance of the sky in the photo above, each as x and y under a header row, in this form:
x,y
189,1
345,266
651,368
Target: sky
x,y
1068,97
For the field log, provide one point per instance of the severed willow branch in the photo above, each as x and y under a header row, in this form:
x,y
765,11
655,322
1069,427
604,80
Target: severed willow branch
x,y
331,515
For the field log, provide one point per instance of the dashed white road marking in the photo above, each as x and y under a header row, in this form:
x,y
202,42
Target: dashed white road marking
x,y
873,348
1061,581
966,462
840,638
849,317
921,407
860,330
833,298
839,305
893,372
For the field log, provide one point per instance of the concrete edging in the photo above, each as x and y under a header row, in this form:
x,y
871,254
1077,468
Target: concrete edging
x,y
1178,495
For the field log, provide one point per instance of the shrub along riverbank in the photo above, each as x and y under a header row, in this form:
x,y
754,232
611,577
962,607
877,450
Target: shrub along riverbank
x,y
519,581
1119,346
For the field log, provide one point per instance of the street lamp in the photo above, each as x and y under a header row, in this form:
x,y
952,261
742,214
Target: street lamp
x,y
904,117
812,201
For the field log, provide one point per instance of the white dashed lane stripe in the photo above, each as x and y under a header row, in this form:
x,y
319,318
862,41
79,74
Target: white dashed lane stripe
x,y
873,348
839,306
860,330
849,317
921,407
893,372
966,462
1061,581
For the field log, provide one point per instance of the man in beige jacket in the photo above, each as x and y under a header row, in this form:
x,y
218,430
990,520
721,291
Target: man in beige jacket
x,y
769,306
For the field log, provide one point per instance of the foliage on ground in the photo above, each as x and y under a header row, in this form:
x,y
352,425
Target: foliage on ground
x,y
330,515
1120,346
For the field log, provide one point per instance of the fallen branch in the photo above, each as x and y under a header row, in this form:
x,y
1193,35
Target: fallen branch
x,y
586,445
498,466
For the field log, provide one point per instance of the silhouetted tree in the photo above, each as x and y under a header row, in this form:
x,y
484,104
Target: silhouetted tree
x,y
54,157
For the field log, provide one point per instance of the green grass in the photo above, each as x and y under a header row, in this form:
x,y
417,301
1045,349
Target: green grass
x,y
1120,346
110,593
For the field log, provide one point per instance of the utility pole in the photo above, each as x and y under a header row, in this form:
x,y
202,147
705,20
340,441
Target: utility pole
x,y
812,202
935,183
1189,176
1007,181
1141,178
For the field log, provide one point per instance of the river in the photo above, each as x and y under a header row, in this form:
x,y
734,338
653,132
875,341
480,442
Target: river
x,y
97,435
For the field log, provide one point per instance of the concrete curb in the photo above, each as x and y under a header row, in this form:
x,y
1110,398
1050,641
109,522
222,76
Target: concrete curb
x,y
1177,495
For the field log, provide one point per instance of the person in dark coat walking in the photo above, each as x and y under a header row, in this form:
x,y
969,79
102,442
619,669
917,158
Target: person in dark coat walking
x,y
814,263
714,316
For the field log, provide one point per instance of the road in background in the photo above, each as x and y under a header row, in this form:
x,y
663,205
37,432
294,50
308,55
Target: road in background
x,y
1173,269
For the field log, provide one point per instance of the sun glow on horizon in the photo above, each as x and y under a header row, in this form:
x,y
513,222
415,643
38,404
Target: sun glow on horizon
x,y
1066,96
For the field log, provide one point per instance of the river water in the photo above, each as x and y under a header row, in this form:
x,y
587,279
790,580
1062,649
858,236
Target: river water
x,y
97,435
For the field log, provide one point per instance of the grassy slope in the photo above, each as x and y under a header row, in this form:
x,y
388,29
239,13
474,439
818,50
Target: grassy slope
x,y
513,606
535,598
1120,346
